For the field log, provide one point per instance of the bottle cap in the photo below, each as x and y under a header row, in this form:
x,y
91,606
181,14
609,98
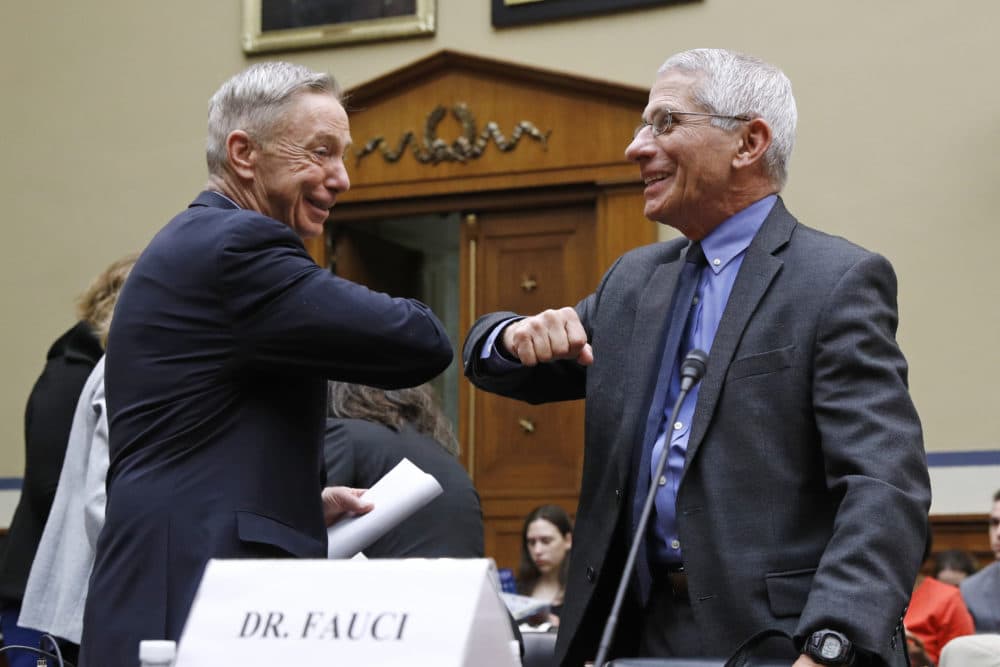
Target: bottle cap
x,y
157,650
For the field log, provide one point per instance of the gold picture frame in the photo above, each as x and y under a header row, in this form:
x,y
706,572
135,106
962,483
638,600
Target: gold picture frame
x,y
281,25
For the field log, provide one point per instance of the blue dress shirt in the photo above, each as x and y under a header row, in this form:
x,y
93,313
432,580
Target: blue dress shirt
x,y
724,251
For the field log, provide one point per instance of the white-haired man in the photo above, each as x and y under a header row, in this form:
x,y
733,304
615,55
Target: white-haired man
x,y
796,492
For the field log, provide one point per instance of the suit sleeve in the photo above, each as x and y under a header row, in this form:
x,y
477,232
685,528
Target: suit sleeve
x,y
290,313
872,446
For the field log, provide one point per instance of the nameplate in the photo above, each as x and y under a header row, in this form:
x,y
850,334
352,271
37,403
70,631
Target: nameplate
x,y
364,613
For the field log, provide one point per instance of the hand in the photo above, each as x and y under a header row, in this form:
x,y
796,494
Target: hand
x,y
806,661
341,500
547,336
915,648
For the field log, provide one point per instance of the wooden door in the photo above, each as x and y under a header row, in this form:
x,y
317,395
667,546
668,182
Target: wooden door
x,y
519,455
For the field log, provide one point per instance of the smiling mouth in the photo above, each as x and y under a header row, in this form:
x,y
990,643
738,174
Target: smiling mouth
x,y
319,206
653,179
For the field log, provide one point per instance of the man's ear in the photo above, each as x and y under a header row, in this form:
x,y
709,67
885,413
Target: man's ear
x,y
243,154
754,142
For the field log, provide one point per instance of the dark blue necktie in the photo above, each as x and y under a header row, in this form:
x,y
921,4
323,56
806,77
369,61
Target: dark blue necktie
x,y
680,310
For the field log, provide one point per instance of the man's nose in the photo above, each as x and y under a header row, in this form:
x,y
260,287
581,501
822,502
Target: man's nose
x,y
337,178
638,146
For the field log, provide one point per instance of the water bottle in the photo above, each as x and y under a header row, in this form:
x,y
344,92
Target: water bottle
x,y
157,653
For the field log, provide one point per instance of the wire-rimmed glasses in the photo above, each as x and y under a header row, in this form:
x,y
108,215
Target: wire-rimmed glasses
x,y
663,121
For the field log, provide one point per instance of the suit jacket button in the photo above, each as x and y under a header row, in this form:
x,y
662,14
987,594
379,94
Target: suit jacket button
x,y
591,575
618,496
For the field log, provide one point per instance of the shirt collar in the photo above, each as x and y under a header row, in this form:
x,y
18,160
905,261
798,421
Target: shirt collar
x,y
215,199
733,236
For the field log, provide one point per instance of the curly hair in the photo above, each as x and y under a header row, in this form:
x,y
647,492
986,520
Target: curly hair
x,y
415,406
97,303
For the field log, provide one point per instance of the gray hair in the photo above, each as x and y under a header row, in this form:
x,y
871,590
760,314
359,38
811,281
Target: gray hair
x,y
254,101
733,84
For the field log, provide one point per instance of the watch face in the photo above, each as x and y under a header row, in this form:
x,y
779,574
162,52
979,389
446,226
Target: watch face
x,y
830,648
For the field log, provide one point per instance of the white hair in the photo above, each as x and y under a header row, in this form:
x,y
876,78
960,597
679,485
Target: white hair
x,y
733,84
254,101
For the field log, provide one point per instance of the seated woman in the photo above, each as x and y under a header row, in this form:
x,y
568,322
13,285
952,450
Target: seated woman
x,y
371,430
936,615
546,539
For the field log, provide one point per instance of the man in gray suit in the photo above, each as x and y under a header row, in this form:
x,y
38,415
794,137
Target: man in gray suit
x,y
981,591
796,492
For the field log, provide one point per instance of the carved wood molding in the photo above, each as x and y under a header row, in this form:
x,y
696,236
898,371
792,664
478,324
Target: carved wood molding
x,y
470,145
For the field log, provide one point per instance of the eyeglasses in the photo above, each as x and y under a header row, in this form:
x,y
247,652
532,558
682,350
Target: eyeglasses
x,y
663,122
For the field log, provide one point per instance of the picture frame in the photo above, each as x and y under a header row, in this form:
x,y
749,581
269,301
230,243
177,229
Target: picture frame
x,y
507,13
281,25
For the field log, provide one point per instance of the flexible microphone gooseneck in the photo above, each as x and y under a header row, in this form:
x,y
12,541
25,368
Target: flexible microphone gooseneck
x,y
692,371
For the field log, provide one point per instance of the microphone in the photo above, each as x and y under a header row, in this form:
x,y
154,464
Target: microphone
x,y
692,371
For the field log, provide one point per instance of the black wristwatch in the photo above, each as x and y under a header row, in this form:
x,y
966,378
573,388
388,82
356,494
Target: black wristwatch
x,y
829,647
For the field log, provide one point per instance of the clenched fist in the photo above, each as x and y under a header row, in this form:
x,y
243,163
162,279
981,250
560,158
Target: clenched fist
x,y
547,336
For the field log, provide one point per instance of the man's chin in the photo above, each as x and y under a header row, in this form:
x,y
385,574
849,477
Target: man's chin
x,y
310,231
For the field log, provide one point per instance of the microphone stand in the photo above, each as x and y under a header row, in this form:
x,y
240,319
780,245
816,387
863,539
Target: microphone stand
x,y
692,371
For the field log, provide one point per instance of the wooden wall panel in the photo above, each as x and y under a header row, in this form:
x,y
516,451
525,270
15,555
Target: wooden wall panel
x,y
587,124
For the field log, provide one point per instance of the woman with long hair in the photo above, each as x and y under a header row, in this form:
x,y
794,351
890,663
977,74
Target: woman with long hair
x,y
546,540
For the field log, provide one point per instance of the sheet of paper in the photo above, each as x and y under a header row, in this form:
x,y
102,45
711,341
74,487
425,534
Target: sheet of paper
x,y
522,606
401,492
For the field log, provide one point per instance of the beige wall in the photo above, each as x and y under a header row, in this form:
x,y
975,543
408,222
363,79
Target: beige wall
x,y
103,116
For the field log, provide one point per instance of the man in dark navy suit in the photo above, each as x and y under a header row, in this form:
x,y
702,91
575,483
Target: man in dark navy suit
x,y
219,354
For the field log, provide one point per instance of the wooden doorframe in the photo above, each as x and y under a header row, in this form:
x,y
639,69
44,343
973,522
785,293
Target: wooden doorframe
x,y
572,154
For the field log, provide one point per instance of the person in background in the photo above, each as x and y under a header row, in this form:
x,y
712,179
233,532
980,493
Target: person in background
x,y
801,429
47,422
981,591
546,540
935,616
369,431
223,340
57,584
953,566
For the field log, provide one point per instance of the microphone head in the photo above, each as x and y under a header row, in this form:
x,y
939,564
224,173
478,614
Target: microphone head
x,y
693,367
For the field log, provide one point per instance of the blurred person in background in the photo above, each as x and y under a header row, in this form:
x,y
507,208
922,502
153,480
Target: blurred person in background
x,y
953,566
369,431
57,584
936,615
981,591
546,540
47,422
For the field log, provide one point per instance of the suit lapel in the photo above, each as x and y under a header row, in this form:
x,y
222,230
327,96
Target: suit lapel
x,y
757,272
646,348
